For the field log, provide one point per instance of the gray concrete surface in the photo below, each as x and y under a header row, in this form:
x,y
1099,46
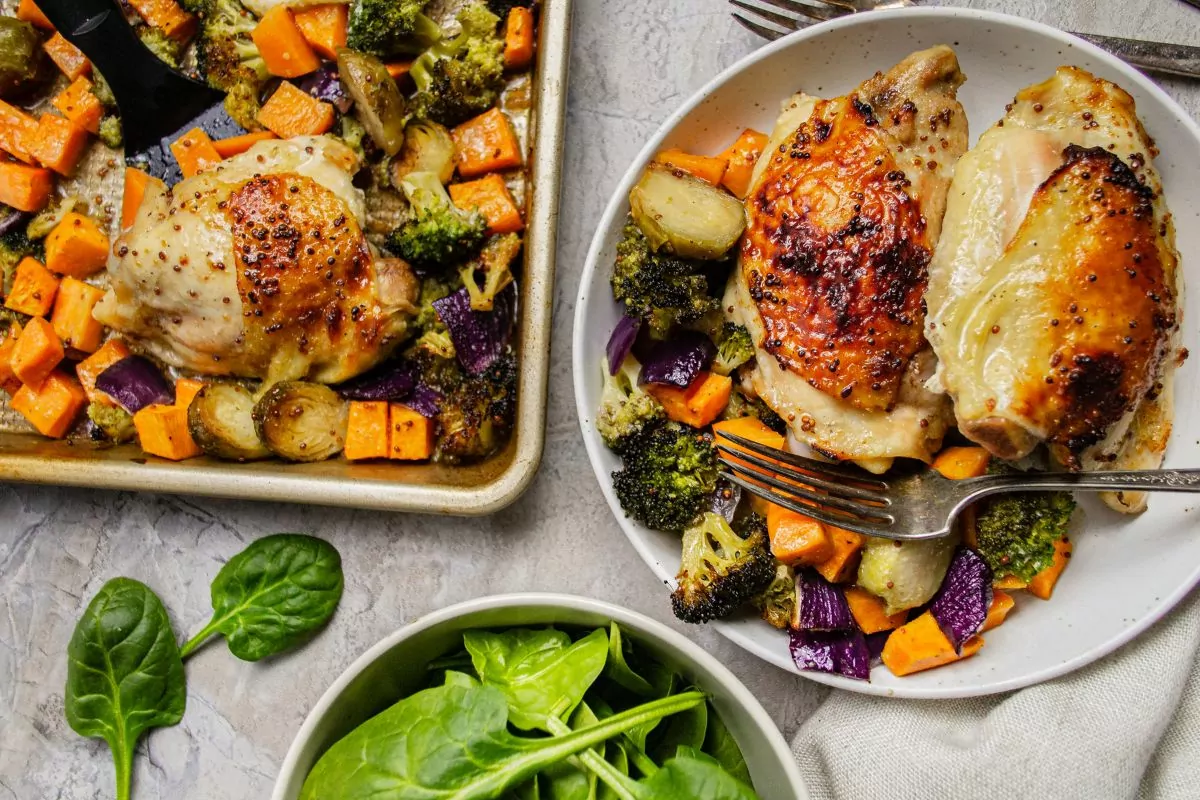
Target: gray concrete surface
x,y
633,62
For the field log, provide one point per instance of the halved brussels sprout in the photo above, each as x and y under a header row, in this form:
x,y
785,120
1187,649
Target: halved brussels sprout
x,y
221,420
427,148
689,217
905,574
377,100
301,421
23,67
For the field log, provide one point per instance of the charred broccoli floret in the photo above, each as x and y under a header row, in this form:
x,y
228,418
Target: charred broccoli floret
x,y
661,289
462,77
492,271
1015,533
438,234
777,603
721,568
625,409
669,473
167,49
229,58
111,132
734,348
14,246
391,27
743,405
476,416
115,422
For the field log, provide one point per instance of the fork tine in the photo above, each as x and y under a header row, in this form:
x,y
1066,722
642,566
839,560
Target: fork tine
x,y
831,487
759,30
863,510
836,519
791,23
812,465
814,9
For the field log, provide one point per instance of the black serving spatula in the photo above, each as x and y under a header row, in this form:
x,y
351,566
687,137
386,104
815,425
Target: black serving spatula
x,y
157,103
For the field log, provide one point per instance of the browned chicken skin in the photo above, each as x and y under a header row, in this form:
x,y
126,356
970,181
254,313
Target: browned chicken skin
x,y
844,210
1054,293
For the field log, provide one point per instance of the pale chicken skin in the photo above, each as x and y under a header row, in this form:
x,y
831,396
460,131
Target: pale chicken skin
x,y
259,268
1054,297
843,213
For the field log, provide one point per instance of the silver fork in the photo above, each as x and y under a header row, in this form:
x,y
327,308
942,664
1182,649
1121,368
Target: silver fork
x,y
918,505
772,19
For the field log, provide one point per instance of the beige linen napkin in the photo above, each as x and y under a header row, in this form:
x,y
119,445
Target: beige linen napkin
x,y
1127,726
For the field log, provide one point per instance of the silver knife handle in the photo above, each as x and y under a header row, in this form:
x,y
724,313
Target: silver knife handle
x,y
1172,59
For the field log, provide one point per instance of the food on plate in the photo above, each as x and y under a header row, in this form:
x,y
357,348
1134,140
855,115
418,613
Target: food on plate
x,y
819,346
1054,295
844,210
359,242
540,712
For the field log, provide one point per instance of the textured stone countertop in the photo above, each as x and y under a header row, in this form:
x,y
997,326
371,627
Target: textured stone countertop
x,y
633,61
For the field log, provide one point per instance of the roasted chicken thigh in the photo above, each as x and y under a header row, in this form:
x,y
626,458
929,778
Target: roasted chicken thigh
x,y
258,268
1054,297
842,216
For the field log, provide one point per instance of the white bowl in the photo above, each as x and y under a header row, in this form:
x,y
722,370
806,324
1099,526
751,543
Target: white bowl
x,y
1126,572
395,668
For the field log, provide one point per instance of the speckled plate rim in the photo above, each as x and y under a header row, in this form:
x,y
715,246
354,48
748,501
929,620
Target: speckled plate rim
x,y
584,345
547,600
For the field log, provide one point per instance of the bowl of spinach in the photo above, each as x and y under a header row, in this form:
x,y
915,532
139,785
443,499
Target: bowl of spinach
x,y
538,696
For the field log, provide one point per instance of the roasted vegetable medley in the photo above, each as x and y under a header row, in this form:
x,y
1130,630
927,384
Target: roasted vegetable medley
x,y
678,375
399,129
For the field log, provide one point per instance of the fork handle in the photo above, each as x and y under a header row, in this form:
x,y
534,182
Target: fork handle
x,y
1151,480
1171,59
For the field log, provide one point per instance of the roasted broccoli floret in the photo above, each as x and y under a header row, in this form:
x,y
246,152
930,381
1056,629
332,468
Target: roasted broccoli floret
x,y
14,246
111,132
721,568
462,77
625,409
669,473
438,234
777,603
1015,533
476,416
661,289
391,27
167,49
353,135
492,271
743,405
115,422
102,90
734,348
229,58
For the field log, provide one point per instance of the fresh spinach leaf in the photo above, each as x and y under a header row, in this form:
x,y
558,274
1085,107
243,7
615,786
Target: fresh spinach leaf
x,y
540,672
694,777
615,754
124,673
462,679
682,730
681,778
619,671
273,595
720,744
452,741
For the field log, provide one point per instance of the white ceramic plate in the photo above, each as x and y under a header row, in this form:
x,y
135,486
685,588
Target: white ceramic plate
x,y
1126,572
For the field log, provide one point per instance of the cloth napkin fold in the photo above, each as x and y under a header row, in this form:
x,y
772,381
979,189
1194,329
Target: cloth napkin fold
x,y
1127,726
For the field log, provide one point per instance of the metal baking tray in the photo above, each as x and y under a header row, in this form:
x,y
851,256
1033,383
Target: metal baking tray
x,y
432,488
